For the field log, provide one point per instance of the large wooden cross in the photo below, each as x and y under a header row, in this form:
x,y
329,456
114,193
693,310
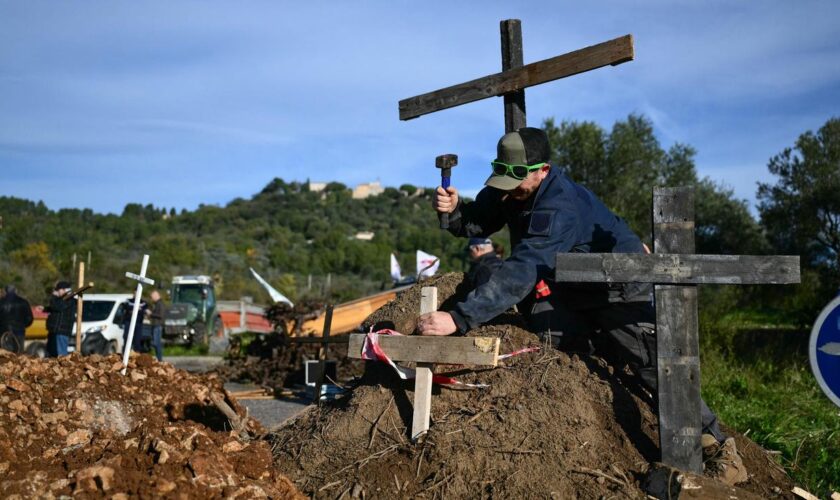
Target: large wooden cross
x,y
676,271
426,352
515,77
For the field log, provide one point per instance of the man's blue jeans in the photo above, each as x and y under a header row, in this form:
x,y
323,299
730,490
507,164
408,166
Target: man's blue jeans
x,y
157,341
57,344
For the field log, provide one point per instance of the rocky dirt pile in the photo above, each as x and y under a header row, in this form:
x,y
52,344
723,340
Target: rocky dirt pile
x,y
76,426
549,425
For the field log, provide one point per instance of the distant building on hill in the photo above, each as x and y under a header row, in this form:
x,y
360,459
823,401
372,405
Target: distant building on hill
x,y
317,187
362,191
364,235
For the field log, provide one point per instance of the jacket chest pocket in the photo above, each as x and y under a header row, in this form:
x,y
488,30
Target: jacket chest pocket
x,y
540,222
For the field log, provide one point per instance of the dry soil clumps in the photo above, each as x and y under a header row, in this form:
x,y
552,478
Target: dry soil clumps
x,y
76,426
549,425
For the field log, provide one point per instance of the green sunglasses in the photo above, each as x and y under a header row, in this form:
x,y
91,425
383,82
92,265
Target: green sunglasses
x,y
518,172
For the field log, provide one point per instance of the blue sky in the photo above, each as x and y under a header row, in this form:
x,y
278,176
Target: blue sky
x,y
178,103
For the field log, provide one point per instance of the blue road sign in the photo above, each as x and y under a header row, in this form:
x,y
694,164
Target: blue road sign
x,y
824,350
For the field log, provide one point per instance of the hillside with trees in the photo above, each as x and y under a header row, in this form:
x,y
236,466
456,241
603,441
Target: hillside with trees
x,y
289,233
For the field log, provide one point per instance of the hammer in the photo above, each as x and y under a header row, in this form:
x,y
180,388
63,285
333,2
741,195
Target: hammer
x,y
445,163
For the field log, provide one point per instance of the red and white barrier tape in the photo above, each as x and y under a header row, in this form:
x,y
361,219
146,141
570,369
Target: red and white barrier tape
x,y
371,350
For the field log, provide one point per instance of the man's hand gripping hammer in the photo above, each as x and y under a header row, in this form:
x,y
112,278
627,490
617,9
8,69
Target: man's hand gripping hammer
x,y
445,163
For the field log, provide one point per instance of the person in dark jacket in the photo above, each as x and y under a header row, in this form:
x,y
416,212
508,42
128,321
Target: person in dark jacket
x,y
156,319
547,213
15,314
62,314
484,261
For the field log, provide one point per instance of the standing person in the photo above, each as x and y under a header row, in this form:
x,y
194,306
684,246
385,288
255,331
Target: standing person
x,y
484,259
62,314
156,317
15,314
547,213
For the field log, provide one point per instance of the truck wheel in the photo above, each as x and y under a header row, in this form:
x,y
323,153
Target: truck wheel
x,y
219,340
36,350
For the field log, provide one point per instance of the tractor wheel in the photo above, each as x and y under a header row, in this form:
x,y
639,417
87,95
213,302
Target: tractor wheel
x,y
219,340
200,335
36,350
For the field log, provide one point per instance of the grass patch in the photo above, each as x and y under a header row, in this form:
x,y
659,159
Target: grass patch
x,y
756,376
182,350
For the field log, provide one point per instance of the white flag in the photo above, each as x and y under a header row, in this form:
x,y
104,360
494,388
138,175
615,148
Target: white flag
x,y
396,272
427,264
275,295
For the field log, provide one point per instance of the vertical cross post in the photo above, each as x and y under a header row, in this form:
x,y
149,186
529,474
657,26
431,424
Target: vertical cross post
x,y
678,347
79,309
512,58
138,293
423,380
322,353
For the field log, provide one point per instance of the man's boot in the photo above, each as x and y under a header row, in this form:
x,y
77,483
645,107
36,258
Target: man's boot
x,y
722,460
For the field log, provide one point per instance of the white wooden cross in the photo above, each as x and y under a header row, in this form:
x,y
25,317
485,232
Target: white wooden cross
x,y
426,351
138,293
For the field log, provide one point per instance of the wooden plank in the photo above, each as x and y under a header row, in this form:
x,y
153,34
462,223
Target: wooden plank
x,y
677,341
677,268
612,52
422,400
804,494
322,353
432,349
423,374
512,58
79,309
678,367
673,219
428,299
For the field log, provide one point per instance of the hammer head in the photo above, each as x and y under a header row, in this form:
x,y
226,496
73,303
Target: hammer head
x,y
446,161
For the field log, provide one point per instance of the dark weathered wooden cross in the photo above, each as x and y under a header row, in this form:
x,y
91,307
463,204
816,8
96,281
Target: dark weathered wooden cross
x,y
676,270
515,77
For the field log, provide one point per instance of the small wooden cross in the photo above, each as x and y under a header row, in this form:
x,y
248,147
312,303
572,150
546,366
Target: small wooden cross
x,y
515,77
676,271
138,293
426,351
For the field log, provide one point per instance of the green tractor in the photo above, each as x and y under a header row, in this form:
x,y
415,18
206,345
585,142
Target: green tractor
x,y
193,317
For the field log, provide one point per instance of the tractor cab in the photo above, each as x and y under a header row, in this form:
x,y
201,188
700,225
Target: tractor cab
x,y
193,310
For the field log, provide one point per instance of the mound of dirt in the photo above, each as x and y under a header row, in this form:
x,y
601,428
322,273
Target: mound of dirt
x,y
76,426
548,425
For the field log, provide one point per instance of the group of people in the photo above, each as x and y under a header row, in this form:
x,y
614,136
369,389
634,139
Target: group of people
x,y
547,213
16,316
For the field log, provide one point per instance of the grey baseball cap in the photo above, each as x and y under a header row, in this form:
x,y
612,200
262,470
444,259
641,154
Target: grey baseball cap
x,y
526,146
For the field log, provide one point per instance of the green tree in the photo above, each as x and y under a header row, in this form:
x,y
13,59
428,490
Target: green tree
x,y
622,167
801,211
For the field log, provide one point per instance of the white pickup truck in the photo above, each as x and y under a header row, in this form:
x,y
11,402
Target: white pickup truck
x,y
104,313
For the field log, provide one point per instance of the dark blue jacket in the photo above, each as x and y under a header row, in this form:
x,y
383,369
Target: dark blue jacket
x,y
561,216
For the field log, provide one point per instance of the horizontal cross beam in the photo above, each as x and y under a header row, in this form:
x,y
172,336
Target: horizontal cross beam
x,y
422,349
613,52
677,268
